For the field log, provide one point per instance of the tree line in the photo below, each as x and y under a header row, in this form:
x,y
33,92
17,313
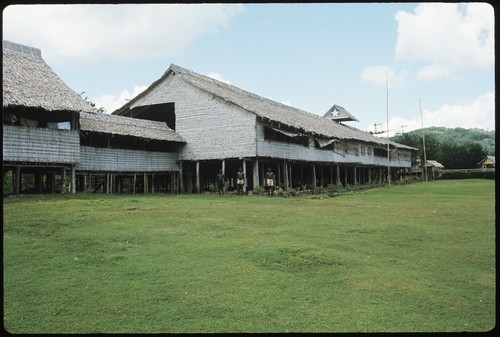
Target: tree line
x,y
456,148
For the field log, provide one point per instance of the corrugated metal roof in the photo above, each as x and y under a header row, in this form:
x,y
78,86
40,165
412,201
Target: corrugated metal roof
x,y
28,81
126,126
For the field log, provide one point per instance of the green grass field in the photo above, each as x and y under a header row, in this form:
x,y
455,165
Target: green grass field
x,y
411,258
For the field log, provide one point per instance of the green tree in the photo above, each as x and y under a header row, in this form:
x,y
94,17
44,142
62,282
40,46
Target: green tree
x,y
92,104
454,148
461,155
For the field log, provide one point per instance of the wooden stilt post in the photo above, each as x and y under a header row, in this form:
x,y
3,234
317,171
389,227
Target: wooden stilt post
x,y
17,180
245,174
38,183
52,183
198,177
73,179
256,180
62,182
286,182
181,178
313,177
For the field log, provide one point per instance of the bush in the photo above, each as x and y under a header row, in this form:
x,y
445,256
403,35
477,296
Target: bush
x,y
467,174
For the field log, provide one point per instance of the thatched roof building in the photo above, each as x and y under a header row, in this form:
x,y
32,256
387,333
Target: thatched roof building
x,y
126,126
487,162
29,82
301,121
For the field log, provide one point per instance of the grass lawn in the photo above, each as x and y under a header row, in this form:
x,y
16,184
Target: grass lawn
x,y
410,258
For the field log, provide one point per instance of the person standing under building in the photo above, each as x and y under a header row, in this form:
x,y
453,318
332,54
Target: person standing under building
x,y
240,181
220,182
270,181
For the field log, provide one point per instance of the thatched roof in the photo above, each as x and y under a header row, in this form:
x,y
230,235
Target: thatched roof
x,y
29,82
434,163
270,111
126,126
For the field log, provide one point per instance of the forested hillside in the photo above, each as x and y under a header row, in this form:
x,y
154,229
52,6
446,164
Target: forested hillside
x,y
454,148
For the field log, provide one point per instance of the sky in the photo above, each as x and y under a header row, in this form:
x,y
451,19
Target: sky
x,y
394,66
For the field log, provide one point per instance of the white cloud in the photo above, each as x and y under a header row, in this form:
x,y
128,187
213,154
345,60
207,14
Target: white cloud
x,y
446,38
479,113
218,77
382,75
92,34
112,102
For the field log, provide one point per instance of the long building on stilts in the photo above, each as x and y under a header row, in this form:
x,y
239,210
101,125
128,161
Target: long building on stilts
x,y
226,128
174,137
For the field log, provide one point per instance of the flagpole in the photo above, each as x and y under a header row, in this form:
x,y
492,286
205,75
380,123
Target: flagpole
x,y
423,141
388,150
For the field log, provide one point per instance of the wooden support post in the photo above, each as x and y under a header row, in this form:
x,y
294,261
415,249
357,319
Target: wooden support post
x,y
245,175
145,183
301,175
38,183
313,177
290,178
198,177
62,181
355,174
181,178
52,183
152,183
278,176
73,179
285,175
135,178
256,173
17,180
337,181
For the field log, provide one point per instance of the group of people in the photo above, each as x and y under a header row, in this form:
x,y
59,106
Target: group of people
x,y
240,181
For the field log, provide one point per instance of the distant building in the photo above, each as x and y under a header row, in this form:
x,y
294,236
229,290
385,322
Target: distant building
x,y
432,167
487,162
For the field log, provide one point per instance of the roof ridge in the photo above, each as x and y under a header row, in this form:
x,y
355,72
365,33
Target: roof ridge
x,y
21,48
240,90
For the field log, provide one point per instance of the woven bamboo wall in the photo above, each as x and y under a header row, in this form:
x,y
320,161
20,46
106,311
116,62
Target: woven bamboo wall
x,y
121,160
349,154
212,128
40,145
216,129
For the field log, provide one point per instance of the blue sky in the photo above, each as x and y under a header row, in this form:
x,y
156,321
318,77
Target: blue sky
x,y
369,58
